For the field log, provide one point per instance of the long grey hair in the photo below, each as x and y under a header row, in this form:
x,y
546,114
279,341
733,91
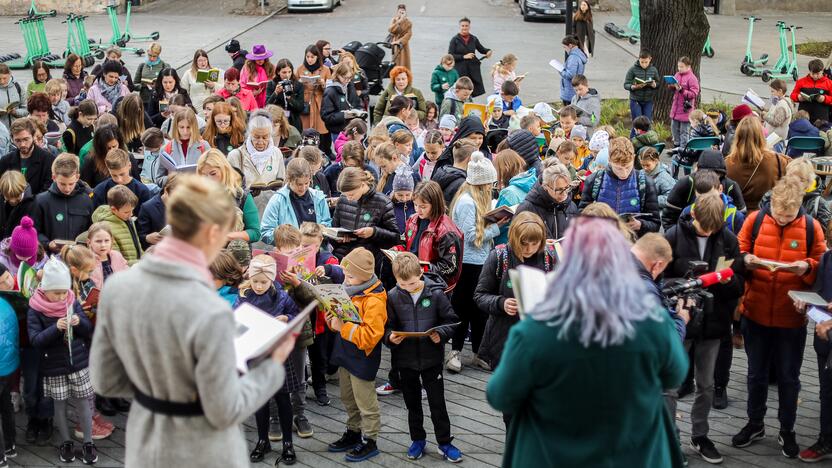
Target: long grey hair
x,y
596,292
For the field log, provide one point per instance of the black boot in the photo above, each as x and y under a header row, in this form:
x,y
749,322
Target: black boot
x,y
347,441
260,450
288,456
45,430
720,398
104,406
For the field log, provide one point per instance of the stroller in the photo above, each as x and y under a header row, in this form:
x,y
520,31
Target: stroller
x,y
370,57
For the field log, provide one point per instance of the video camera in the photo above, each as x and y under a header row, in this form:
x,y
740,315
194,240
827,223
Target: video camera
x,y
693,290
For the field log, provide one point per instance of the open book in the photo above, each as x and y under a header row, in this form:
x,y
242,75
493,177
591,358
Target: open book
x,y
427,332
477,110
336,232
772,139
809,297
207,75
257,84
27,280
626,217
500,213
10,108
670,79
310,79
392,254
258,333
171,166
335,300
773,265
818,314
557,65
301,256
753,99
642,81
529,286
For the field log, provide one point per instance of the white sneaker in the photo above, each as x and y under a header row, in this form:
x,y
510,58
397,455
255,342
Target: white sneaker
x,y
453,363
386,389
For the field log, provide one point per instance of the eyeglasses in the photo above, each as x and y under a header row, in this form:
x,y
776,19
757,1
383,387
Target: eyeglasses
x,y
222,121
561,191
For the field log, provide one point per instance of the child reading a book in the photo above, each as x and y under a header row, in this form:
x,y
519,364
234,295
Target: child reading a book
x,y
645,136
433,147
701,125
108,261
228,275
59,328
152,218
813,93
152,141
118,214
79,131
357,349
261,291
497,118
443,77
63,212
118,166
431,120
652,166
417,304
455,98
389,159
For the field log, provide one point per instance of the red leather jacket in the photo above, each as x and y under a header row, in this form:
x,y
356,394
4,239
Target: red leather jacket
x,y
440,245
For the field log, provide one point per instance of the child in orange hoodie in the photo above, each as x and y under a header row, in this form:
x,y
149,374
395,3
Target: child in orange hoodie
x,y
357,350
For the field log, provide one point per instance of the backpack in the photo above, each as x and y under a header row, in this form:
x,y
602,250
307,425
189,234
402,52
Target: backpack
x,y
758,222
549,261
642,186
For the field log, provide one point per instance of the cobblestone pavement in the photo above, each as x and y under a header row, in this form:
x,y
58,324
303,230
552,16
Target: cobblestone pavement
x,y
479,431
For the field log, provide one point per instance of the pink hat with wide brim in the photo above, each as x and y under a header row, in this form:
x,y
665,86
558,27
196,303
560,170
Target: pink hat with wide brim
x,y
259,52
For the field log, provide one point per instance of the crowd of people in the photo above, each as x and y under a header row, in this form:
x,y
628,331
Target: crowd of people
x,y
167,193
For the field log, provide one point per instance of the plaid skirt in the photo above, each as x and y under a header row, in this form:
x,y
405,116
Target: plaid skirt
x,y
293,382
63,387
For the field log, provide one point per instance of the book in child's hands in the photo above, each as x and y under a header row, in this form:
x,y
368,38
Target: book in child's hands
x,y
164,106
753,99
426,333
529,286
477,110
500,213
301,256
258,333
335,300
773,265
643,81
171,166
557,65
772,139
818,314
809,297
27,280
392,254
310,79
91,301
337,232
670,79
207,75
627,217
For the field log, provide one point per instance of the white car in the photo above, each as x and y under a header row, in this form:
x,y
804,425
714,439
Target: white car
x,y
313,5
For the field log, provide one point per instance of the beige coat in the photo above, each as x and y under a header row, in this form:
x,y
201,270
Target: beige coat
x,y
401,30
312,96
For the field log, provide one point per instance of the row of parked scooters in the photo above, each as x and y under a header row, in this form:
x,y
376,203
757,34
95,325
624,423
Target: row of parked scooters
x,y
786,65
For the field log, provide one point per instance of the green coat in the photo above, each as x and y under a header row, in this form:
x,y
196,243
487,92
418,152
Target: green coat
x,y
439,77
589,407
123,240
388,94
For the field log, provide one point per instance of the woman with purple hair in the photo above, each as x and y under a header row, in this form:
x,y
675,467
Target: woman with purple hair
x,y
582,375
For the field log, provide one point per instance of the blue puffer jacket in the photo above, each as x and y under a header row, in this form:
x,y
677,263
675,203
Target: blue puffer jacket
x,y
51,343
9,343
518,187
574,65
274,302
801,128
621,195
279,211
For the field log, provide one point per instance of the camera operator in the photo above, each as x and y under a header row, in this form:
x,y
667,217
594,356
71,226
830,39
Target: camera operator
x,y
284,91
701,238
653,255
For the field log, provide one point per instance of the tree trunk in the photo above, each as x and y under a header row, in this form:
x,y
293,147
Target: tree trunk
x,y
671,29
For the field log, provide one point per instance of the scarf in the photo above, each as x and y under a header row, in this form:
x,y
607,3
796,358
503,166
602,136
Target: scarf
x,y
56,310
312,68
177,251
465,38
353,290
110,93
260,158
153,63
170,95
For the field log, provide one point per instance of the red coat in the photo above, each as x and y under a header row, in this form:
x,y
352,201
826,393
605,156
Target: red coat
x,y
440,245
766,299
246,98
816,110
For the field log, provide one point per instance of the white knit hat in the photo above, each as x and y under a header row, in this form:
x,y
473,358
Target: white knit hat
x,y
447,121
480,170
599,141
55,276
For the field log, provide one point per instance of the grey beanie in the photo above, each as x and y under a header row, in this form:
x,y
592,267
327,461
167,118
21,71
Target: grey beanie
x,y
403,179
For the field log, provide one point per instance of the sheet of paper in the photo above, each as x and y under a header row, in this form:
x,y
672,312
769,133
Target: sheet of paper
x,y
557,65
817,314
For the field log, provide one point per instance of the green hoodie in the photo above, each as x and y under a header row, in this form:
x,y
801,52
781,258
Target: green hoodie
x,y
439,77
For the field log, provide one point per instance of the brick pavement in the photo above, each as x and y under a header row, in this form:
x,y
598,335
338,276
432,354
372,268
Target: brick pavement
x,y
479,429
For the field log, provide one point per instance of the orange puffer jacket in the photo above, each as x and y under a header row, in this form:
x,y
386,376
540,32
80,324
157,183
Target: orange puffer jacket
x,y
766,299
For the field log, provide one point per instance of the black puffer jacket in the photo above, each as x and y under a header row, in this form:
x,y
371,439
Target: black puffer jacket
x,y
51,343
716,322
450,178
371,210
524,143
63,217
493,288
555,215
683,194
39,173
431,309
466,127
10,216
336,100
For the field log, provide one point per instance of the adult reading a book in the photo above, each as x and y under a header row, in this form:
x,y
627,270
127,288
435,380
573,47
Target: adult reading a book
x,y
260,162
401,84
401,31
74,74
551,200
231,88
494,294
782,246
287,92
188,410
548,378
112,53
432,236
145,77
167,86
813,92
257,72
108,88
753,166
295,203
12,97
340,100
30,159
314,75
464,47
197,81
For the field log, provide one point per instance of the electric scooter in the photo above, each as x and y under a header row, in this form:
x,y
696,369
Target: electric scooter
x,y
750,66
783,59
632,31
33,11
789,70
707,50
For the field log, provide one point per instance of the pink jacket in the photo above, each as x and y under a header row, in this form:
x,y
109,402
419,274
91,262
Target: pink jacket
x,y
261,77
244,95
102,102
339,143
117,263
689,91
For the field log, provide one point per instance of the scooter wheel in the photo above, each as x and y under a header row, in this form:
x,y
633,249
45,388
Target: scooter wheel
x,y
794,75
89,61
91,41
710,53
154,35
139,52
633,40
64,53
99,54
766,76
121,43
744,69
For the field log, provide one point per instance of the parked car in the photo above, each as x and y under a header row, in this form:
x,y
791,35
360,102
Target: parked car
x,y
544,9
313,5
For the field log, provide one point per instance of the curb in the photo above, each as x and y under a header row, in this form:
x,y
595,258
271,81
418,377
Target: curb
x,y
217,44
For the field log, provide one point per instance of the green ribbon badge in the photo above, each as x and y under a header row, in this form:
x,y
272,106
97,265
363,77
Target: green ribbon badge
x,y
793,244
410,233
59,216
425,302
508,284
633,202
367,216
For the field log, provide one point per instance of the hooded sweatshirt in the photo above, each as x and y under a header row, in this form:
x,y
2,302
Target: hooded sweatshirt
x,y
466,127
801,128
589,109
10,93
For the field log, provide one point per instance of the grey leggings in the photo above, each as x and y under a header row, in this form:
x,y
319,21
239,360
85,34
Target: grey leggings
x,y
82,406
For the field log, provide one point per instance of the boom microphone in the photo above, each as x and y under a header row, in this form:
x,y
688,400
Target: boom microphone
x,y
704,281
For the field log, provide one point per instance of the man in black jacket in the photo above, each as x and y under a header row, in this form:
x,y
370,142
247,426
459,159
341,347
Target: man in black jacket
x,y
682,194
33,161
551,200
65,210
703,236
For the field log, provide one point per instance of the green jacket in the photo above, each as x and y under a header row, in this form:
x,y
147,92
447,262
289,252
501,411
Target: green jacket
x,y
125,235
439,77
646,93
589,407
388,94
644,140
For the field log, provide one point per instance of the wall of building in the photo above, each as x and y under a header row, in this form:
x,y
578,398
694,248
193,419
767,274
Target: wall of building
x,y
784,5
21,7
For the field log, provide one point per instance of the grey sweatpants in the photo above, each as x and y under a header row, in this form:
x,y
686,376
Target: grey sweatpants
x,y
680,131
704,361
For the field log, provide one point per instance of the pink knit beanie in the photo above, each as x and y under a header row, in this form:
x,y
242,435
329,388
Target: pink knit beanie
x,y
24,241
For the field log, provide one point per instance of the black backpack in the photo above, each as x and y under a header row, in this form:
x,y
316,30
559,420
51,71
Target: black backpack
x,y
758,222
